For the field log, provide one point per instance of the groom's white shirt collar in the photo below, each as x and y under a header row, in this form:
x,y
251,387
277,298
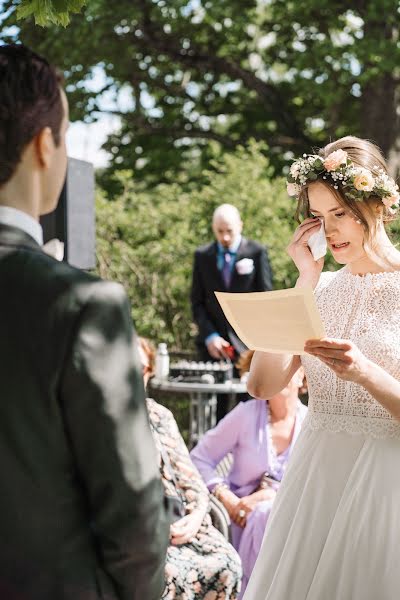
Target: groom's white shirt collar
x,y
21,220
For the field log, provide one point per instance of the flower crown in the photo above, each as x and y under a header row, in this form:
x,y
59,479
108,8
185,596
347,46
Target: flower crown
x,y
355,182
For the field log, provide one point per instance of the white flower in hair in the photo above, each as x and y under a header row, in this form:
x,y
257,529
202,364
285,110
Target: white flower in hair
x,y
293,189
335,159
294,169
363,180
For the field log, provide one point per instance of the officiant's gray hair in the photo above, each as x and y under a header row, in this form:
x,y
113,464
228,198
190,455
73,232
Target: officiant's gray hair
x,y
226,212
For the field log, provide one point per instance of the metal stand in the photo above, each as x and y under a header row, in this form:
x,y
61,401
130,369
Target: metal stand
x,y
203,414
203,401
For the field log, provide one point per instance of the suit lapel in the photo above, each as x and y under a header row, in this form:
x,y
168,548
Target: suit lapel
x,y
215,273
17,238
241,253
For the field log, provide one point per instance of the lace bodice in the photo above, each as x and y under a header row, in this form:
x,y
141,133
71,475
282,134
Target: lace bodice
x,y
366,310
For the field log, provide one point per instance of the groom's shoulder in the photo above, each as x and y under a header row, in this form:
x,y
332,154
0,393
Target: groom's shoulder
x,y
74,286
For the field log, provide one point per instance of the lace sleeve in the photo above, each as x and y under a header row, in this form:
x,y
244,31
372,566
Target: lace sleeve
x,y
324,280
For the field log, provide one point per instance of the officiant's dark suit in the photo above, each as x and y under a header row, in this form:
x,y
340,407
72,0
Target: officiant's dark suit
x,y
208,278
82,515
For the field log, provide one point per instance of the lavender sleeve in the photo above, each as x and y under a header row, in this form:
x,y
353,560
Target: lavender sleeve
x,y
217,443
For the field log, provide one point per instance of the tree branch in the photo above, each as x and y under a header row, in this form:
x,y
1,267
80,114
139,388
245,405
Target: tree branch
x,y
201,58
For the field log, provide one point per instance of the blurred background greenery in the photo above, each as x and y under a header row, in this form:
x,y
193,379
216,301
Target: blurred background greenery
x,y
213,99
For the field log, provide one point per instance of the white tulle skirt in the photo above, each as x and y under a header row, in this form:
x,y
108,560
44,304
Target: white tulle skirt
x,y
334,531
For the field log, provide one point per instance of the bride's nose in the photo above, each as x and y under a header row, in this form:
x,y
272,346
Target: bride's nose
x,y
330,229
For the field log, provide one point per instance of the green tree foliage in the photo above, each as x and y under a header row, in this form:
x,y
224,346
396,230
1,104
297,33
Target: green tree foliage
x,y
292,74
47,12
146,239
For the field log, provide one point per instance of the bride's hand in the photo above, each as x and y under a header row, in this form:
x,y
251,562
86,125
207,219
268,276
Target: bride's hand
x,y
299,251
342,356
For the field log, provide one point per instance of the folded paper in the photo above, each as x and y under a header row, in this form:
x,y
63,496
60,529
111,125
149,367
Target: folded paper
x,y
279,321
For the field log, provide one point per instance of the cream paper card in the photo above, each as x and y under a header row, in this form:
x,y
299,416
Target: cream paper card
x,y
279,321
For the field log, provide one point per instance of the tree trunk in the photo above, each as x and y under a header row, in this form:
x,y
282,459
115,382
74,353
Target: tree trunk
x,y
380,120
380,116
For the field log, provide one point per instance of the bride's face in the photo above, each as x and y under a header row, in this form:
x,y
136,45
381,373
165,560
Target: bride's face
x,y
344,235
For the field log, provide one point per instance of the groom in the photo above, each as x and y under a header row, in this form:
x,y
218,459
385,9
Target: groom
x,y
81,509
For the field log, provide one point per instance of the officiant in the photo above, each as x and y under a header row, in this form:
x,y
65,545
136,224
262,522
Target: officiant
x,y
231,263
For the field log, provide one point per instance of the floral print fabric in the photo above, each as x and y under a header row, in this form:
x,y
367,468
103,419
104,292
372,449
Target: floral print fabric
x,y
208,567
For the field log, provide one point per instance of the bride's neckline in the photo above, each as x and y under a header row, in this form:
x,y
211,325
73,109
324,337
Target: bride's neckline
x,y
377,275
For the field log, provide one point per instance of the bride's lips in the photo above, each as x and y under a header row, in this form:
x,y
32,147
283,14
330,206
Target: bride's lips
x,y
339,246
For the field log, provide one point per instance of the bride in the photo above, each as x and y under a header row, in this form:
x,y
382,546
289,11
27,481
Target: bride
x,y
334,532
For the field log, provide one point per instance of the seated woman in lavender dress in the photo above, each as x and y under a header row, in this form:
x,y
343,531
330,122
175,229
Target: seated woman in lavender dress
x,y
200,562
260,436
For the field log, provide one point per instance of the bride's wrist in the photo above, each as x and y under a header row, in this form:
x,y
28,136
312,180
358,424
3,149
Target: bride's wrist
x,y
368,375
305,281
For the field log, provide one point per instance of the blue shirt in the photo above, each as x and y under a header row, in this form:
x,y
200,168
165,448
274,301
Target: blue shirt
x,y
233,248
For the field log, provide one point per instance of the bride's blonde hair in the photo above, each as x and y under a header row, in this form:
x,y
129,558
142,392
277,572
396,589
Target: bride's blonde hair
x,y
369,212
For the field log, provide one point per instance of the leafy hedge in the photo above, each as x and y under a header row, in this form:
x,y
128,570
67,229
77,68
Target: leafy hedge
x,y
146,239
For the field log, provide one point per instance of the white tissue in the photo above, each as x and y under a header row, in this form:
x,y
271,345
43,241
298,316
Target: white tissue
x,y
317,243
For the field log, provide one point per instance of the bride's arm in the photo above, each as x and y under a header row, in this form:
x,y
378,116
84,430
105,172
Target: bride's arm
x,y
270,373
383,387
350,364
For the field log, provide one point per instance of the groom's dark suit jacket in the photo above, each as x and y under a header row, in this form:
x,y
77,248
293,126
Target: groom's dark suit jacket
x,y
207,279
81,510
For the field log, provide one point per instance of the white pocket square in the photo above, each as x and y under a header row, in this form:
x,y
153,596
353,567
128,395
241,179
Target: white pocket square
x,y
245,266
54,248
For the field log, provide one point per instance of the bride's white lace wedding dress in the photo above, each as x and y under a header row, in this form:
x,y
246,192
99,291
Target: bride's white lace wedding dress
x,y
334,531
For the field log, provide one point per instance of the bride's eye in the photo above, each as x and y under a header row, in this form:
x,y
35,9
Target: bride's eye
x,y
340,214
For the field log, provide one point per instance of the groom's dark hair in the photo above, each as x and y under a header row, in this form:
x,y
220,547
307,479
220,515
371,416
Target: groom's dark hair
x,y
29,101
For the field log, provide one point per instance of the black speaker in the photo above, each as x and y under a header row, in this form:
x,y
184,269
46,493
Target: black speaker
x,y
73,221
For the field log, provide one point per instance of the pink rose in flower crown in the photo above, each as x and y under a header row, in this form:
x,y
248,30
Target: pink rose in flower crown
x,y
364,180
293,189
390,201
335,159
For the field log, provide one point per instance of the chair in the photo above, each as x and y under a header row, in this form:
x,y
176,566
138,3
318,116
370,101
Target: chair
x,y
219,515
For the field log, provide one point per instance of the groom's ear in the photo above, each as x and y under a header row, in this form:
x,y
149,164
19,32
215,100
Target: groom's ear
x,y
44,147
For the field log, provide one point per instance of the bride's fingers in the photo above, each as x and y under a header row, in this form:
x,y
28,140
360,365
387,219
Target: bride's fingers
x,y
310,220
329,353
305,231
329,343
333,363
336,360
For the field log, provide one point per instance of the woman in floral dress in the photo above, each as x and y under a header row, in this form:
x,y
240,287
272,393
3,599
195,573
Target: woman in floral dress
x,y
200,563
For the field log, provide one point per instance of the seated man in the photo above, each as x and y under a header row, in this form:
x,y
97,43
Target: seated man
x,y
260,435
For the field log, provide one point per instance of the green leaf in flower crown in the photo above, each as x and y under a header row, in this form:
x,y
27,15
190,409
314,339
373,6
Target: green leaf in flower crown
x,y
313,176
318,164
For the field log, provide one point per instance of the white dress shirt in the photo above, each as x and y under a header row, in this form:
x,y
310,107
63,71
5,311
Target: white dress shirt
x,y
21,220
